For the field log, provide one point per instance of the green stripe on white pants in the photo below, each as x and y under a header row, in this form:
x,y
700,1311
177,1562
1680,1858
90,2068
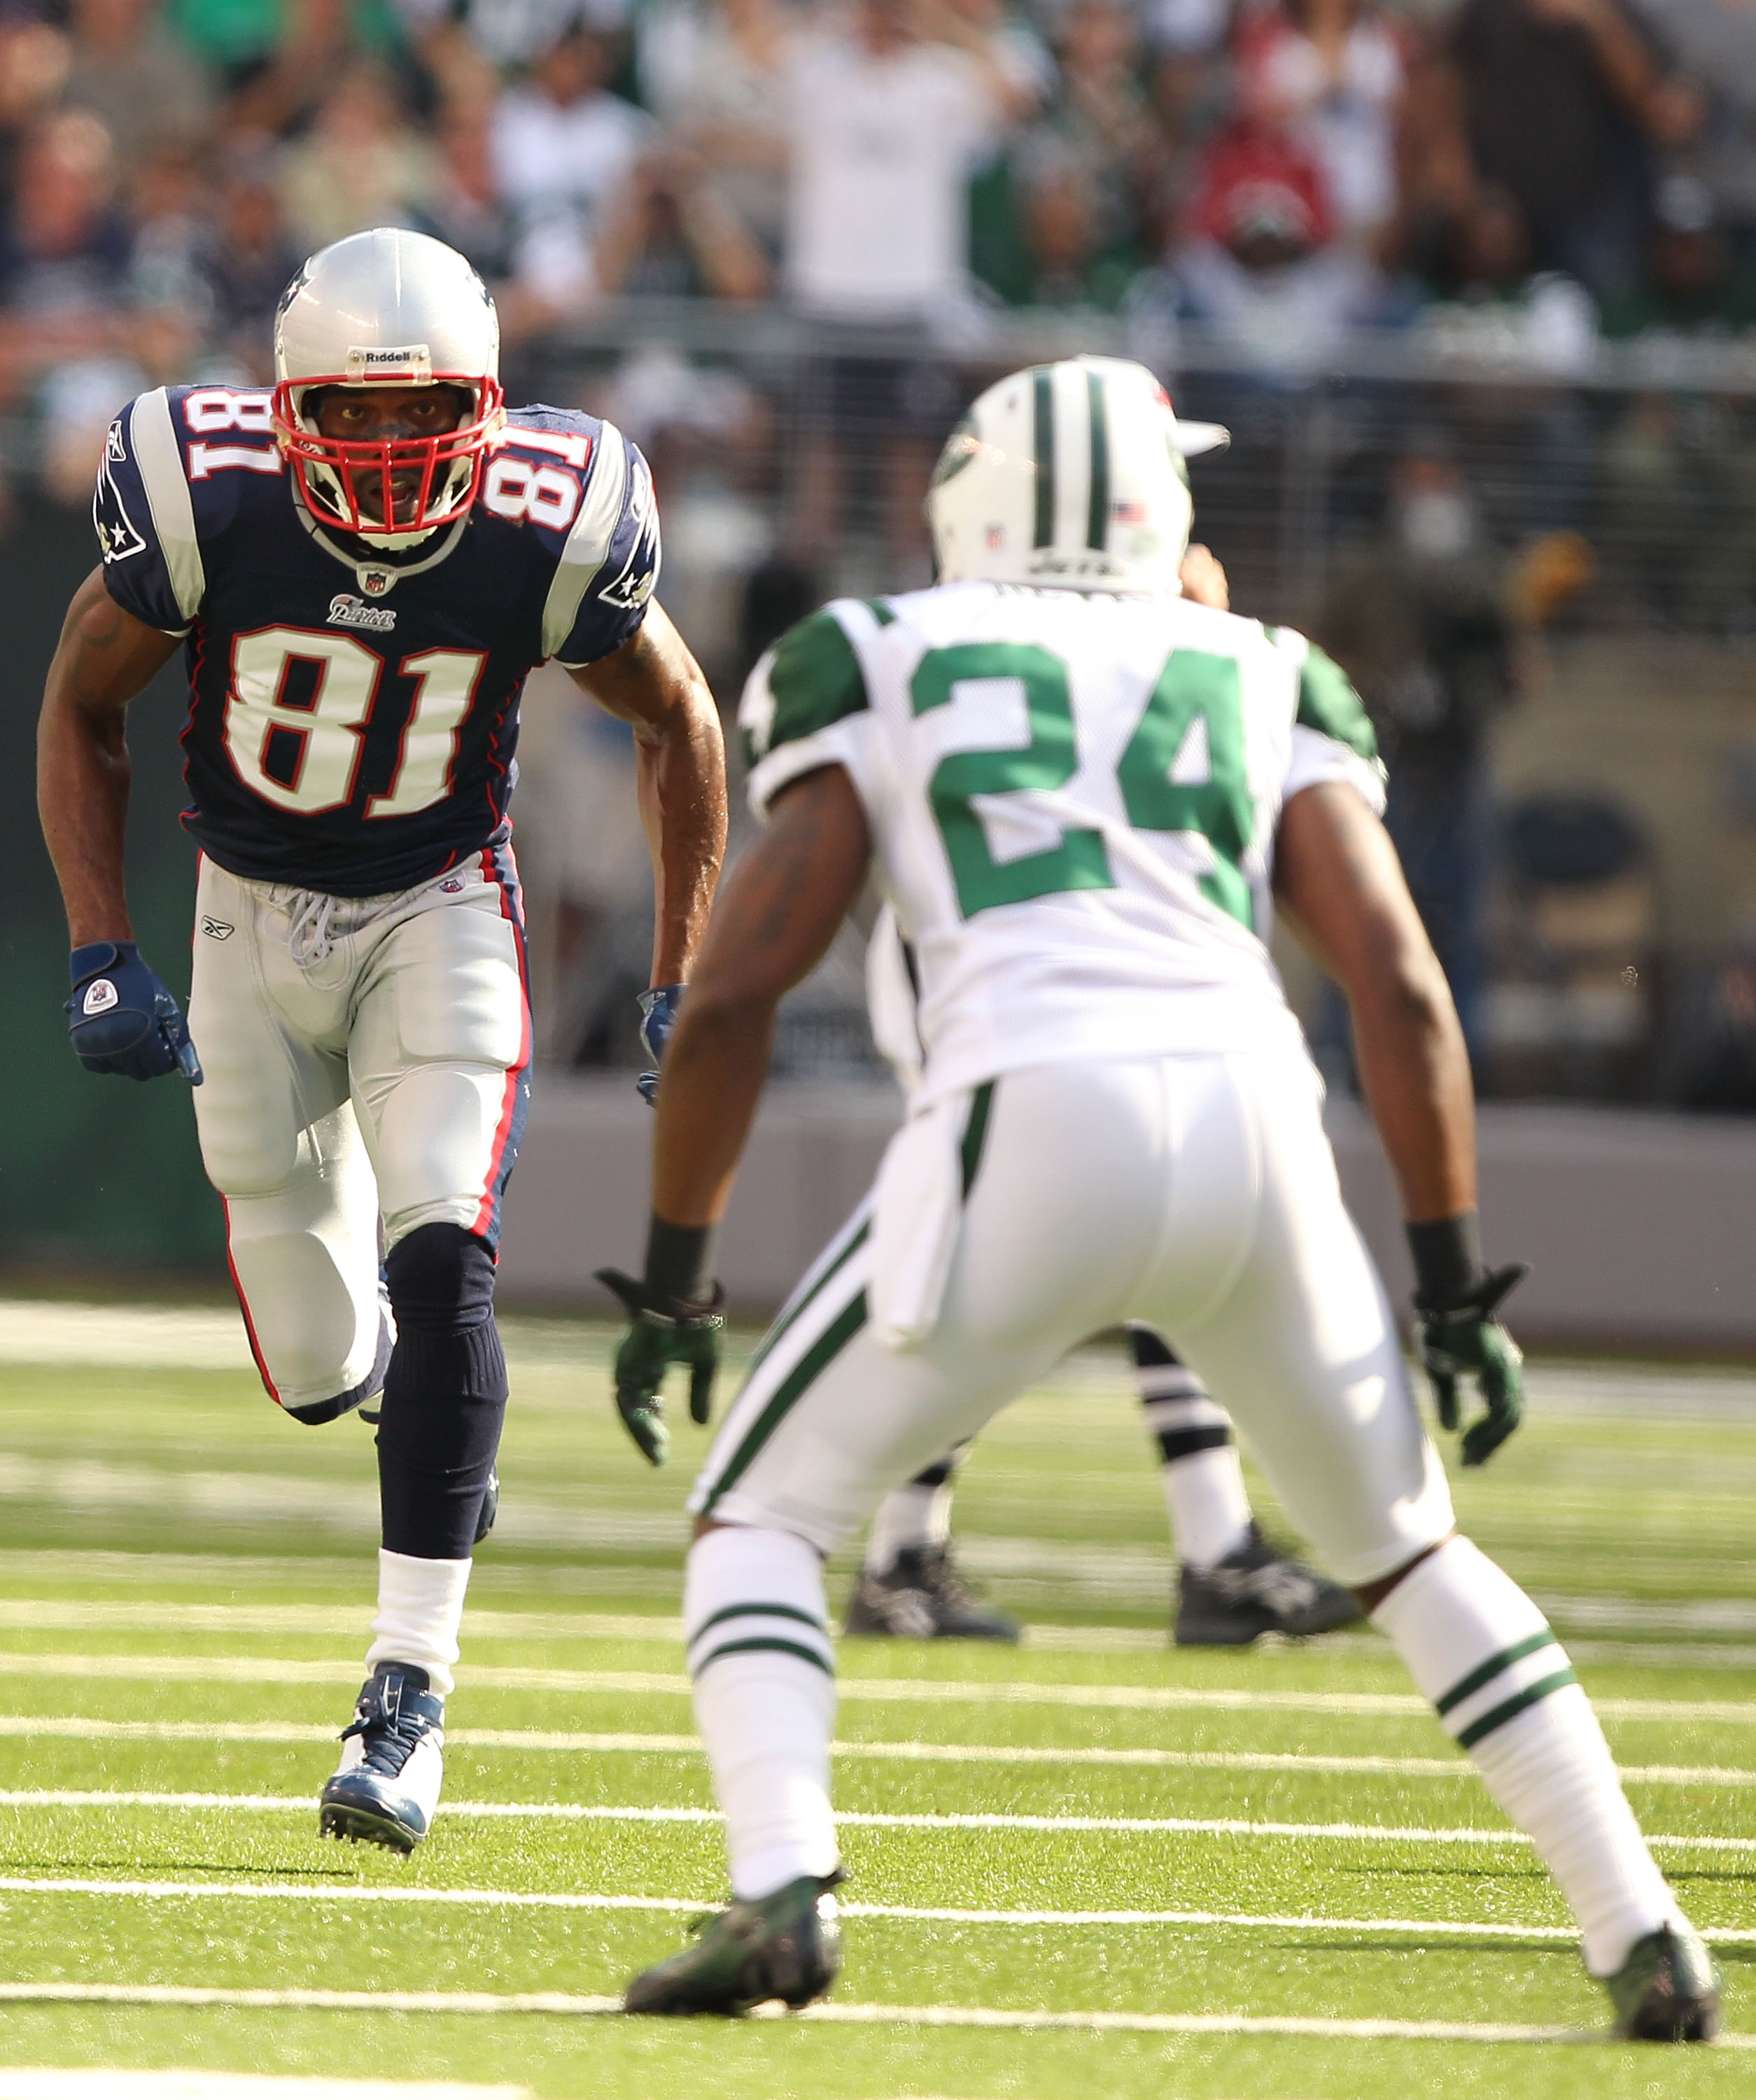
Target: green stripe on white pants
x,y
1197,1193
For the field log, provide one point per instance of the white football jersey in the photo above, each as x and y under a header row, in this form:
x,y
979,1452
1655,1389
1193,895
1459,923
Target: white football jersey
x,y
1073,801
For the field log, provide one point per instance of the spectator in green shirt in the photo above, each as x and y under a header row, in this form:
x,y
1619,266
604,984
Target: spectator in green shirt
x,y
1690,283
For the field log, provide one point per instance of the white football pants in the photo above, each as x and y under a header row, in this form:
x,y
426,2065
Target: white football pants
x,y
367,1060
1196,1193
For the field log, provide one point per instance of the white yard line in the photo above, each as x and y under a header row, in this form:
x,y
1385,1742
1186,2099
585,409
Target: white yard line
x,y
66,1615
354,1893
113,2083
834,2013
266,1670
1700,1615
345,1894
545,1742
568,1811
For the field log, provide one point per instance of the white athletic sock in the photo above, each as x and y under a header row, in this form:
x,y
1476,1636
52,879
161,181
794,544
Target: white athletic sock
x,y
419,1609
1480,1649
1210,1512
909,1516
759,1652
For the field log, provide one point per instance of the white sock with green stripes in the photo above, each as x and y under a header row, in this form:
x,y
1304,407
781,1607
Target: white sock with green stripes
x,y
1480,1649
764,1670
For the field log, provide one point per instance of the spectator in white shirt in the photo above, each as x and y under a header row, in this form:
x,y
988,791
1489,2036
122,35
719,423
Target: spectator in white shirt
x,y
884,125
562,146
714,73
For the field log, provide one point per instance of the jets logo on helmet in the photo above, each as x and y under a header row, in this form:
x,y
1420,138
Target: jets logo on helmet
x,y
387,308
1070,475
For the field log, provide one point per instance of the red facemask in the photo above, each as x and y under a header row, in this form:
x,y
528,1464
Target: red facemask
x,y
370,468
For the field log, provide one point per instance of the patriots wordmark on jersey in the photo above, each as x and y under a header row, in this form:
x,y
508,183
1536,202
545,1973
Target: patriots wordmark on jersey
x,y
353,713
1073,801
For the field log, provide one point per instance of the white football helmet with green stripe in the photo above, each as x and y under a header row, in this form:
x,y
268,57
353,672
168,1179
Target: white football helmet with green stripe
x,y
1070,474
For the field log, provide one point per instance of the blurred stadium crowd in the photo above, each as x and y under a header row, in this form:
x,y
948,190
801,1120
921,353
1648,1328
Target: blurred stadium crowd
x,y
1473,280
1531,172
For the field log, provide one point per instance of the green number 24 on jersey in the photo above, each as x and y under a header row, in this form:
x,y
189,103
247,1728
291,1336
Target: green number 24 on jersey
x,y
1183,771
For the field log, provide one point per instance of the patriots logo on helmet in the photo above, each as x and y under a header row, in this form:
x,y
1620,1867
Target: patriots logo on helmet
x,y
301,278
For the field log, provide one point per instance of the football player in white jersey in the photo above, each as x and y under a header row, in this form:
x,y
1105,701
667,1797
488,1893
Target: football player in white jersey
x,y
361,565
1080,791
1233,1584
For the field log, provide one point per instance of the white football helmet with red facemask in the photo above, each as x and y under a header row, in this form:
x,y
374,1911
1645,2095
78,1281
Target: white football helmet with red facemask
x,y
387,308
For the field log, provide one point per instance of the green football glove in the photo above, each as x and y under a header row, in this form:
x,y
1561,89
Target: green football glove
x,y
1466,1340
663,1332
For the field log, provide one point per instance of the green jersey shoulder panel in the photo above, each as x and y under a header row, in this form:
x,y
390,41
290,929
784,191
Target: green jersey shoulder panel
x,y
812,679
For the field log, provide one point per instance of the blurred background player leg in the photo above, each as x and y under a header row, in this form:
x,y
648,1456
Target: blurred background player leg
x,y
911,1586
1233,1584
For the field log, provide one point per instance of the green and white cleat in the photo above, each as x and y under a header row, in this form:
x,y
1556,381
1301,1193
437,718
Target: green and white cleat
x,y
786,1946
1667,1990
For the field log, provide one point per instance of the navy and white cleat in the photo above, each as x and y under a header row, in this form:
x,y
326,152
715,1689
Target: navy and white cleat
x,y
386,1788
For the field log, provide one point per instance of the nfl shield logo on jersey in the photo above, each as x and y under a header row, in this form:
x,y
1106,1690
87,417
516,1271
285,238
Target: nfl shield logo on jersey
x,y
376,582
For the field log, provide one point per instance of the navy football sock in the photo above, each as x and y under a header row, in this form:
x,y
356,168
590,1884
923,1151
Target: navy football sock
x,y
444,1394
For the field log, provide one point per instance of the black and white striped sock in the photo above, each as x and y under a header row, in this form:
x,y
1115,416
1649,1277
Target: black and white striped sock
x,y
1203,1481
917,1514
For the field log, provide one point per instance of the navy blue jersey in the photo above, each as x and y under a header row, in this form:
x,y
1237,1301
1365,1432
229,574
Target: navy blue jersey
x,y
354,713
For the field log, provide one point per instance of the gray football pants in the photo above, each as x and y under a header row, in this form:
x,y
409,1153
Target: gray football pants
x,y
377,1085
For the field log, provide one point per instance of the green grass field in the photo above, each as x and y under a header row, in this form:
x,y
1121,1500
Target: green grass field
x,y
1092,1866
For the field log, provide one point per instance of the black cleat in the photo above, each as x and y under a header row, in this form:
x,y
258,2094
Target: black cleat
x,y
1667,1990
921,1596
786,1946
387,1786
1257,1590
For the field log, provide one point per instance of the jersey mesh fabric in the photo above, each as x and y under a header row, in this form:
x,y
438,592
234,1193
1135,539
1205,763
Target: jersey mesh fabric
x,y
1073,801
353,716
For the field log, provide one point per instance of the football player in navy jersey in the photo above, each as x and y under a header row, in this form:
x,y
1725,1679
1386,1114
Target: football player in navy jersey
x,y
361,567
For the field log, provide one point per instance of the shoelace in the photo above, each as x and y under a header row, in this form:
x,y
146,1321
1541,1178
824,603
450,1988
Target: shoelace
x,y
397,1735
310,937
308,940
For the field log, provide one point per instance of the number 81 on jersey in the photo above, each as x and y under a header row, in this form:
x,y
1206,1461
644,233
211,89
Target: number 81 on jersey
x,y
302,751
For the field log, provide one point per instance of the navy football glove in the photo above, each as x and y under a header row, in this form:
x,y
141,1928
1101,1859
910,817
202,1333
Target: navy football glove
x,y
663,1331
1467,1339
122,1020
657,1017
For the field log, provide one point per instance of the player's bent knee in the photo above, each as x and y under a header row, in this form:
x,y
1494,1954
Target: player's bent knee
x,y
356,1395
1372,1595
441,1279
445,1393
316,1325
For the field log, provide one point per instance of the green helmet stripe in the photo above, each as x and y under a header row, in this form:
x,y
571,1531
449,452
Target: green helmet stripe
x,y
1042,444
1097,516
